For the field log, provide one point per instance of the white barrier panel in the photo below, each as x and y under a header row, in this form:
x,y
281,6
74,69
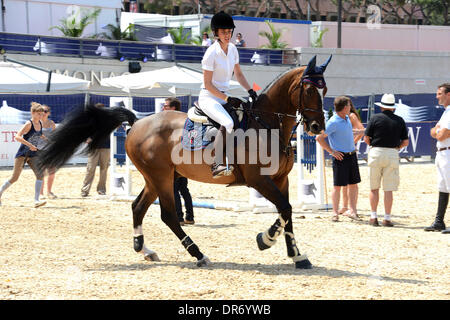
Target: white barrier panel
x,y
120,182
8,145
311,193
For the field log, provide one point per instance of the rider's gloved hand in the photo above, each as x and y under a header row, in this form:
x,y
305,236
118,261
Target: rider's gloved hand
x,y
252,95
234,102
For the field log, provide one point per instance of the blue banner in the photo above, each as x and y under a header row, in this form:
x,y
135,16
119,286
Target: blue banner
x,y
420,142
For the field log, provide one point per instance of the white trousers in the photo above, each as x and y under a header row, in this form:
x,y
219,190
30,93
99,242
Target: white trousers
x,y
442,162
212,106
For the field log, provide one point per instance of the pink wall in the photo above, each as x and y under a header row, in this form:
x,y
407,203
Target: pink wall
x,y
296,35
387,37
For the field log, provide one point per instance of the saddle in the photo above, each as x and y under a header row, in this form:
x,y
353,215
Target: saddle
x,y
200,130
197,115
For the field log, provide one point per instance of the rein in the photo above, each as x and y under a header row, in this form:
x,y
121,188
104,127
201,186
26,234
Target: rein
x,y
286,148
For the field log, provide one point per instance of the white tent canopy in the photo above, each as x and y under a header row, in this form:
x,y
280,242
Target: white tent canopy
x,y
176,78
87,3
9,115
19,78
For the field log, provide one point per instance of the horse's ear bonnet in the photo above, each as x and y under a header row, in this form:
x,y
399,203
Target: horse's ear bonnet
x,y
314,74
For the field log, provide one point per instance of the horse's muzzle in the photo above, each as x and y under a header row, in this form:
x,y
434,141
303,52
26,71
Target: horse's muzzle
x,y
315,127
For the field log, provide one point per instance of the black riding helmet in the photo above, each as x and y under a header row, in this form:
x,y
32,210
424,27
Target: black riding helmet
x,y
222,20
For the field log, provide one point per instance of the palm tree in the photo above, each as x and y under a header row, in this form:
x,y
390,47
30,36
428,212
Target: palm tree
x,y
179,35
74,25
117,34
273,37
317,42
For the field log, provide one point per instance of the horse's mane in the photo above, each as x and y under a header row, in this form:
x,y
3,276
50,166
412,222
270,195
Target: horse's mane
x,y
278,78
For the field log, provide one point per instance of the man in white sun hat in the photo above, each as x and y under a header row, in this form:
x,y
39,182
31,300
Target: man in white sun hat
x,y
386,134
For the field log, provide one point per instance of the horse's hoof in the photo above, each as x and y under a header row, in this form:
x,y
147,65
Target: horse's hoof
x,y
152,257
260,242
303,264
203,262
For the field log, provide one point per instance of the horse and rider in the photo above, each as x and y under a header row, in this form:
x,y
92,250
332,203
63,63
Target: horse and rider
x,y
153,143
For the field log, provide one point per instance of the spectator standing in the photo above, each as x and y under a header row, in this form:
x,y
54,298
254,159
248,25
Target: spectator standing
x,y
99,157
206,41
441,132
30,137
358,133
180,185
345,162
240,42
48,126
386,134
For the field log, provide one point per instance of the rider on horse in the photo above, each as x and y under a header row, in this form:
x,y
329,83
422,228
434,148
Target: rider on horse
x,y
219,63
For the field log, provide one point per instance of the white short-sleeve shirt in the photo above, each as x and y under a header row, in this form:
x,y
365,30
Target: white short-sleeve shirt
x,y
221,64
444,122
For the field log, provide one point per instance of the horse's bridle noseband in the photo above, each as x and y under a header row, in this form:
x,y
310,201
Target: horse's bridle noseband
x,y
287,148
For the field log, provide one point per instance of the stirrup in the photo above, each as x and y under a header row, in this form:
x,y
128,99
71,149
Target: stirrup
x,y
220,170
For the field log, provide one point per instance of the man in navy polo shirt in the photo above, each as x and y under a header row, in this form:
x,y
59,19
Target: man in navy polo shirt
x,y
386,134
345,162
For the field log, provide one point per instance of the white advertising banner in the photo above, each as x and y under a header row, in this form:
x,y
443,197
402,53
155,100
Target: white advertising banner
x,y
8,145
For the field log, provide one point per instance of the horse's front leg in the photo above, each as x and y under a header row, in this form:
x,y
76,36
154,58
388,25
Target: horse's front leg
x,y
278,193
267,187
301,261
170,218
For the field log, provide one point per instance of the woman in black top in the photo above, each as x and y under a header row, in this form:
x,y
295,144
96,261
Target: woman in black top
x,y
30,137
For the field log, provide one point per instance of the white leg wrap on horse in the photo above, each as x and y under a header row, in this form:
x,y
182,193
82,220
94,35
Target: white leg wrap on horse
x,y
267,240
279,229
149,255
293,243
146,251
283,223
138,231
300,258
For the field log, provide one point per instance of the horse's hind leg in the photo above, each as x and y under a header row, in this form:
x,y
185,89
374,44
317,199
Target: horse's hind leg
x,y
140,206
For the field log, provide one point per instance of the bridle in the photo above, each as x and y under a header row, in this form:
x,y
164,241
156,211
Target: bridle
x,y
299,120
300,84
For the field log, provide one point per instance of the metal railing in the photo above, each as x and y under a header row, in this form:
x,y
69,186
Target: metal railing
x,y
132,50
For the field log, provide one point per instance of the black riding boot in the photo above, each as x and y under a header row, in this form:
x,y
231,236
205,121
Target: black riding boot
x,y
218,168
438,224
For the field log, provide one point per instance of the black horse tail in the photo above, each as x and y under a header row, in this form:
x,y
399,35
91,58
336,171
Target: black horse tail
x,y
82,123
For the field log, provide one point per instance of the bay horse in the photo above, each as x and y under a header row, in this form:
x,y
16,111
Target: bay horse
x,y
151,141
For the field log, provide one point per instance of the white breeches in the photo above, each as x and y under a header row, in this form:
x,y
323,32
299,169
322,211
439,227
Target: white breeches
x,y
442,162
212,106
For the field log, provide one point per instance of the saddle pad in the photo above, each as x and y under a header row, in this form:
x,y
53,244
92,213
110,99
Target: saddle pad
x,y
194,136
197,136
